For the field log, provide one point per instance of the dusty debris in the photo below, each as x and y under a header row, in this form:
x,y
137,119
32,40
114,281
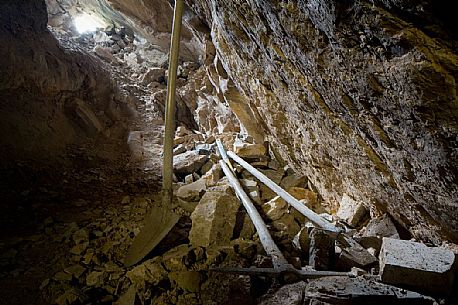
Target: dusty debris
x,y
416,266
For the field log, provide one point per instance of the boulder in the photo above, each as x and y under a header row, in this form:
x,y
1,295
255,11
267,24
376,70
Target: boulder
x,y
213,220
190,138
153,75
182,131
149,272
294,180
178,258
418,267
187,280
179,149
189,179
351,211
353,255
321,250
128,298
251,187
373,244
287,226
188,162
245,150
301,241
206,167
204,149
248,230
381,226
359,291
212,176
210,140
105,54
291,294
275,208
255,196
266,193
309,197
273,175
193,191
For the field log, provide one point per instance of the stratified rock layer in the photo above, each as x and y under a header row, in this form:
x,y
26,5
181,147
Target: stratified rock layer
x,y
355,95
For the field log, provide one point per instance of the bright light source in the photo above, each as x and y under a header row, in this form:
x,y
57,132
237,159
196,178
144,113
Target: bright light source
x,y
87,23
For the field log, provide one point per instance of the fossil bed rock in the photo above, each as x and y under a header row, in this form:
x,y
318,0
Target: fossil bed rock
x,y
358,95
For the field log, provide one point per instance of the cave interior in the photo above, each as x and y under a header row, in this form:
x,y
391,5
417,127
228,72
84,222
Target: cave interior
x,y
350,107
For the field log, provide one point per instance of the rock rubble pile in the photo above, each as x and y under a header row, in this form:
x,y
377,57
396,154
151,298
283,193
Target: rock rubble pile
x,y
215,231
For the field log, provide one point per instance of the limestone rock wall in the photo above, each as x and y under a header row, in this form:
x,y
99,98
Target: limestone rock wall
x,y
358,95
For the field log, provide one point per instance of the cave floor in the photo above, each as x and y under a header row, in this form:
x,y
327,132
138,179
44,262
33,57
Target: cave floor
x,y
59,214
38,252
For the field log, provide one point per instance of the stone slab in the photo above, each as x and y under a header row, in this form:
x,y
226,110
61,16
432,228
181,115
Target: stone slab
x,y
416,266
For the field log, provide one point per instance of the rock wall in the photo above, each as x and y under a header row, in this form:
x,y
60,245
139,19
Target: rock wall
x,y
358,95
53,101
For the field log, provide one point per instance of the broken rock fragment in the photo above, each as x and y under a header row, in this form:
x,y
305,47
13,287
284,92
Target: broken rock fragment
x,y
188,162
359,291
351,211
292,294
293,180
416,266
322,250
381,226
214,218
245,150
353,255
193,191
153,75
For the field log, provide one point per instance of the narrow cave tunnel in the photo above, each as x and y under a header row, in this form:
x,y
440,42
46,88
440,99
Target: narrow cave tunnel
x,y
350,107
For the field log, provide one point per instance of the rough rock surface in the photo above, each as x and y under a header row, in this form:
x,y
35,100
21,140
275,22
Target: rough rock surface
x,y
360,96
343,290
188,162
416,266
150,18
214,218
292,294
52,98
